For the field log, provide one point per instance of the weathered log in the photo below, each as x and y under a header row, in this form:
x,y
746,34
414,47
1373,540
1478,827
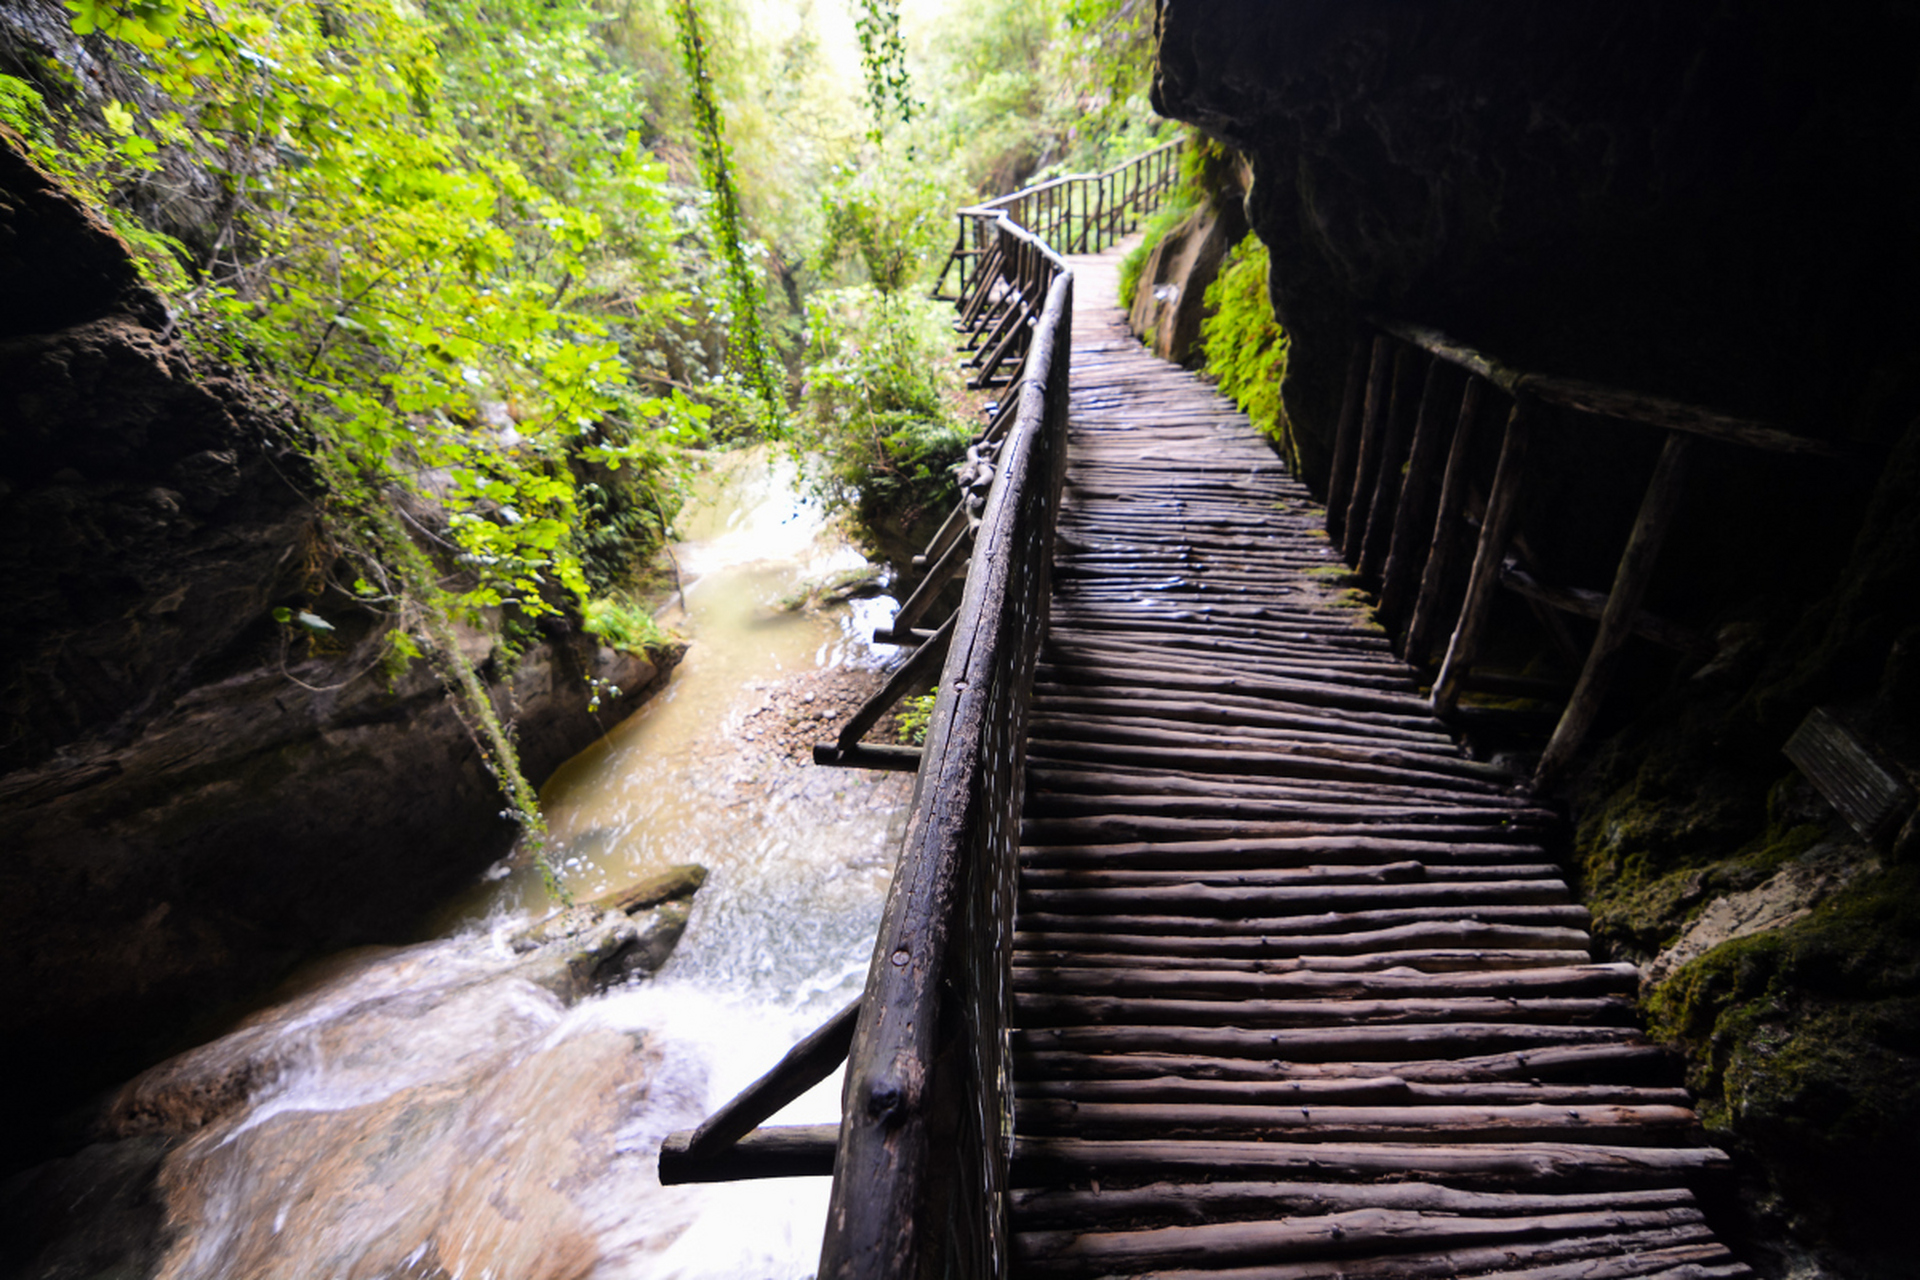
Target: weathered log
x,y
1385,502
1346,1234
1495,531
1376,1091
1272,745
1630,583
1035,1208
1535,1166
1613,402
1346,440
1613,979
945,536
1687,1253
1362,938
1508,810
952,561
1390,1042
1424,959
1413,513
1353,519
1267,761
1090,876
865,756
784,1151
1345,848
1624,1061
1189,712
809,1062
1239,902
1285,804
1037,1010
915,675
1298,934
1229,701
1615,1124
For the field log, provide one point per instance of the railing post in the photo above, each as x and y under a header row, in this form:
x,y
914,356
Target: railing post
x,y
1495,532
1630,582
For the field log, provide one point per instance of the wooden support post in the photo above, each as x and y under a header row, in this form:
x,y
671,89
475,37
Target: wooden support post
x,y
1413,515
863,755
951,528
1346,438
1360,480
1436,581
917,673
1495,531
952,562
779,1151
1385,503
1630,584
803,1066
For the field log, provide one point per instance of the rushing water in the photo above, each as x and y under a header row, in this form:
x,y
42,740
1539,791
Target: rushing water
x,y
428,1112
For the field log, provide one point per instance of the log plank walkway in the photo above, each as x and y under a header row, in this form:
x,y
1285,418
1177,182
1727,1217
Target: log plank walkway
x,y
1299,992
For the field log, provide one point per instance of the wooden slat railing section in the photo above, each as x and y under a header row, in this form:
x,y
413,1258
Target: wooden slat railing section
x,y
1396,509
1005,249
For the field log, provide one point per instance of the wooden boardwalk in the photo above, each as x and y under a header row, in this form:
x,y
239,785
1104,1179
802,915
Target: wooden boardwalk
x,y
1299,991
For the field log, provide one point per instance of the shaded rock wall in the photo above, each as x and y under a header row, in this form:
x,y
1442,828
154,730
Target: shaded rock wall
x,y
1169,302
1704,201
1710,202
190,802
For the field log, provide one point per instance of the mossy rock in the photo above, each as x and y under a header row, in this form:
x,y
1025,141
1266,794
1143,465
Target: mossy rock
x,y
1804,1044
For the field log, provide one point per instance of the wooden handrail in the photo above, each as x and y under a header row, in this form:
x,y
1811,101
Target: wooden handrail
x,y
926,1128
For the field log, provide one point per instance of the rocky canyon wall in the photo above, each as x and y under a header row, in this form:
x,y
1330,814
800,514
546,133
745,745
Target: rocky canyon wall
x,y
192,798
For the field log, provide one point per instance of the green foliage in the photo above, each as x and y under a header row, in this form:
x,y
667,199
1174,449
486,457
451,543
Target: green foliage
x,y
1207,175
915,717
880,386
1023,89
748,349
1245,347
890,218
883,63
624,625
438,231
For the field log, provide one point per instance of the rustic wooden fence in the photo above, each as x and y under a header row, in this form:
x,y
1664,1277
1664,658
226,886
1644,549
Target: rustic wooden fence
x,y
1397,499
1004,249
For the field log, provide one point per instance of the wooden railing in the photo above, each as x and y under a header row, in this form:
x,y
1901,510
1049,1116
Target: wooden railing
x,y
1396,508
926,1129
920,1156
1002,275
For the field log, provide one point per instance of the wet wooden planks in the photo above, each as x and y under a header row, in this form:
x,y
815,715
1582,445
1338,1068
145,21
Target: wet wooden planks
x,y
1299,991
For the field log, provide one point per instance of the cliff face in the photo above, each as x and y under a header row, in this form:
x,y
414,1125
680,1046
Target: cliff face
x,y
1702,201
191,800
1711,203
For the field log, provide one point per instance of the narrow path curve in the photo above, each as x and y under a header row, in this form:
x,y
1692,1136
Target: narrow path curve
x,y
1299,991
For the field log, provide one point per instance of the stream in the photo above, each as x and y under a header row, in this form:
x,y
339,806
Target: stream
x,y
426,1111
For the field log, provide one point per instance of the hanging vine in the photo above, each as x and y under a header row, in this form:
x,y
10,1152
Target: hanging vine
x,y
747,345
883,58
